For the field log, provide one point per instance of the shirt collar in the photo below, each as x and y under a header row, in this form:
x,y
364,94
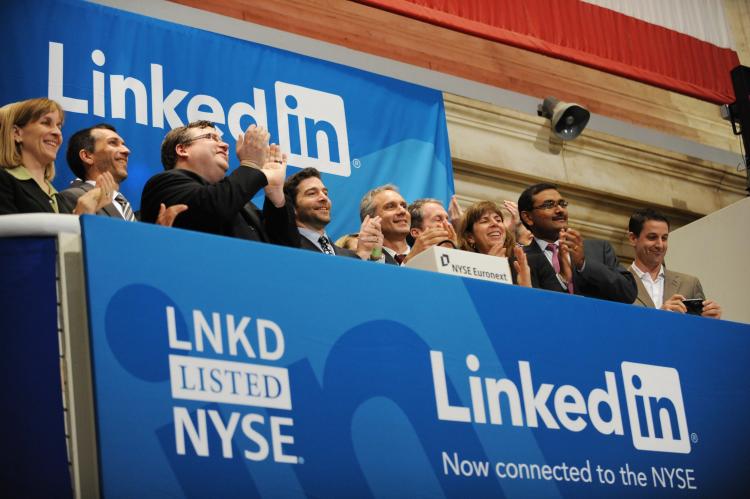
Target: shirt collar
x,y
313,235
641,274
21,173
543,244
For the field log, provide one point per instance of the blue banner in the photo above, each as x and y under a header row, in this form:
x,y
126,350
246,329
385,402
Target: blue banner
x,y
146,77
227,368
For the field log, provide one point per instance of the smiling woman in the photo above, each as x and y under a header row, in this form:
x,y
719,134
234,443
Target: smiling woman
x,y
30,137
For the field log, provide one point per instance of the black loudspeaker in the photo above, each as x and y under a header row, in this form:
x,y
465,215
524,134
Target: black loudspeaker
x,y
740,111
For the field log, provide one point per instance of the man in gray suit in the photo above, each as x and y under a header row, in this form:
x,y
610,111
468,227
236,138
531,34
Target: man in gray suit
x,y
658,287
100,149
584,267
91,152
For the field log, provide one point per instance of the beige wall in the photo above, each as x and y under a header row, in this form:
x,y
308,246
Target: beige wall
x,y
497,152
716,249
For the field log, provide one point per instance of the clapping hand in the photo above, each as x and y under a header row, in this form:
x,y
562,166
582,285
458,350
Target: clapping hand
x,y
252,146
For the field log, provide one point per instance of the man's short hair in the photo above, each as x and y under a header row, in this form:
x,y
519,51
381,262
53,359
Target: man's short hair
x,y
526,201
367,205
176,137
291,185
415,210
640,217
83,140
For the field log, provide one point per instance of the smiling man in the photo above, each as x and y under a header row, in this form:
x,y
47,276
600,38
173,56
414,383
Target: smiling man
x,y
658,287
584,267
196,160
387,203
312,208
92,152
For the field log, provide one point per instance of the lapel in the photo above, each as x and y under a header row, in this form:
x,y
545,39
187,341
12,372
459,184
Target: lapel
x,y
110,210
33,191
253,219
671,284
643,296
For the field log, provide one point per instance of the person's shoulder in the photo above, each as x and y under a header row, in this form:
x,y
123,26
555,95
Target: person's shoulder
x,y
671,274
75,189
346,252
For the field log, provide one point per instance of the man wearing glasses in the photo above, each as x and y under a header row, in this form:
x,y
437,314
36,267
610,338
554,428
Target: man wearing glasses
x,y
589,267
196,161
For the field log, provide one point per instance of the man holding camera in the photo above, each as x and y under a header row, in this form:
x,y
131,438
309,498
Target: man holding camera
x,y
658,287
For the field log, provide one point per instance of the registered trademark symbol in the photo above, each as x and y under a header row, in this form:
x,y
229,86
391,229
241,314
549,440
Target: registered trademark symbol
x,y
694,438
356,163
300,460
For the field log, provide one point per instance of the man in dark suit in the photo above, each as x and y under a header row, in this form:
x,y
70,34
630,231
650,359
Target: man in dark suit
x,y
91,152
659,287
312,208
589,267
196,160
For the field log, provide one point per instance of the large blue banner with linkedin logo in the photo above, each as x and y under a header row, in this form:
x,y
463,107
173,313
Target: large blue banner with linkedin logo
x,y
146,77
228,368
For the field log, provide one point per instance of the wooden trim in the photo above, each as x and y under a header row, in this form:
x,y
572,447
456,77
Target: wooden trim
x,y
384,34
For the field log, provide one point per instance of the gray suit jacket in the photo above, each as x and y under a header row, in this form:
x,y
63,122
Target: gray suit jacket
x,y
78,188
674,283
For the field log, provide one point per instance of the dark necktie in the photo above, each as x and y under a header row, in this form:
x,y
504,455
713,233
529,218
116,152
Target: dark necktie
x,y
325,245
400,258
127,211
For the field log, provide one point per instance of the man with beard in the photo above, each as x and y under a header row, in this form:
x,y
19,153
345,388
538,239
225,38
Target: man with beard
x,y
659,287
589,267
312,208
100,149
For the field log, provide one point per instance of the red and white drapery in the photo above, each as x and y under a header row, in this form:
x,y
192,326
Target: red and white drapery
x,y
680,45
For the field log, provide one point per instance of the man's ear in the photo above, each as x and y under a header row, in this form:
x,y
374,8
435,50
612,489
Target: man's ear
x,y
526,218
415,233
181,151
632,238
86,157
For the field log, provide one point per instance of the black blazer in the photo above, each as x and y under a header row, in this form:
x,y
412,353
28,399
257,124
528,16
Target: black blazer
x,y
223,208
602,276
305,243
25,196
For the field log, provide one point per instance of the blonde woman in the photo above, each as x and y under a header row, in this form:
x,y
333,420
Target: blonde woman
x,y
30,137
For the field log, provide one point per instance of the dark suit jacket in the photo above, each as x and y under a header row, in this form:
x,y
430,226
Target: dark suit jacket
x,y
78,188
305,243
222,208
25,196
674,283
602,276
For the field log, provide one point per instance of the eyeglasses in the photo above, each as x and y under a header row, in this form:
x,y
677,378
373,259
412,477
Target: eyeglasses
x,y
549,205
212,136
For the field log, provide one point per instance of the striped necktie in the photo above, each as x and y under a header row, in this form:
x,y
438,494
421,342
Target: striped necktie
x,y
127,211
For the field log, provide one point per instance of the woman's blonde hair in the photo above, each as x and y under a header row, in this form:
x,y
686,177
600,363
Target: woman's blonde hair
x,y
19,114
